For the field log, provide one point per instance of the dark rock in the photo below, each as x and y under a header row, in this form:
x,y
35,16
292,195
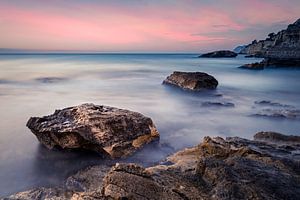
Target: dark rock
x,y
87,180
279,113
253,66
219,54
105,130
274,104
218,104
276,137
41,194
232,168
50,79
194,81
273,62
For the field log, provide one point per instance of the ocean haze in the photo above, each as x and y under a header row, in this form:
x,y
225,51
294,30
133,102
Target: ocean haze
x,y
36,85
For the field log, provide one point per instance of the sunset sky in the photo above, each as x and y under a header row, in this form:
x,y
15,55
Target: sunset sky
x,y
140,25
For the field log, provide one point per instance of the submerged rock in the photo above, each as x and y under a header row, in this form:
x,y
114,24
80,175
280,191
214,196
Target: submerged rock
x,y
224,169
194,81
50,79
219,54
217,104
279,113
103,129
255,66
271,103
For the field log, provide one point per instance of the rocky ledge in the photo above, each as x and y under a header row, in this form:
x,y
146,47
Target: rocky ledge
x,y
106,130
219,54
194,81
232,168
273,62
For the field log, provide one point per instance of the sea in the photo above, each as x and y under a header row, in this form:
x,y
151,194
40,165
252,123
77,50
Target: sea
x,y
245,102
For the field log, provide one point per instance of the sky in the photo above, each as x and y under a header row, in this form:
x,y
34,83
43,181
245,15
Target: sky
x,y
140,25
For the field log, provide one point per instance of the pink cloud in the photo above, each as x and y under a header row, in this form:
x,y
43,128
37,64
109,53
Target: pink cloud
x,y
106,28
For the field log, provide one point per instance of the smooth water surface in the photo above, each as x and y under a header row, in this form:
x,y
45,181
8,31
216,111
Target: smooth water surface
x,y
36,85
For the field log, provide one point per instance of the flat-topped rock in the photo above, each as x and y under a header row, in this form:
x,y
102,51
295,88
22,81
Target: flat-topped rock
x,y
194,81
103,129
219,54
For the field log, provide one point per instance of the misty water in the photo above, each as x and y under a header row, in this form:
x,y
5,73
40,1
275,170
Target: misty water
x,y
36,85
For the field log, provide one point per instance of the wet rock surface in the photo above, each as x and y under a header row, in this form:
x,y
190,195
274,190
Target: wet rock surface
x,y
109,131
219,54
194,81
232,168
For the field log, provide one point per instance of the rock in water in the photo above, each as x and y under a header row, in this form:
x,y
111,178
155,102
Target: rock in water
x,y
194,81
103,129
219,54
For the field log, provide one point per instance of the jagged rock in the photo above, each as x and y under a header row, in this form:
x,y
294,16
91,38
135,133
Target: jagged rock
x,y
219,54
87,180
103,129
41,194
279,50
234,168
224,169
194,81
276,137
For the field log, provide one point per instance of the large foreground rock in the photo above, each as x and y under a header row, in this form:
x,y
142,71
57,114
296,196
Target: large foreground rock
x,y
218,169
194,81
103,129
219,54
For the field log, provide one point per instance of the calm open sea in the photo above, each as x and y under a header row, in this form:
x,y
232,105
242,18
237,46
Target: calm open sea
x,y
36,85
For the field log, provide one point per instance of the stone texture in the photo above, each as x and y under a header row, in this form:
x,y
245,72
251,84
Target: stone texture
x,y
234,168
219,54
107,130
194,81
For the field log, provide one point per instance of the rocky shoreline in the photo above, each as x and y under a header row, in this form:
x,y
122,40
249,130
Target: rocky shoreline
x,y
232,168
278,50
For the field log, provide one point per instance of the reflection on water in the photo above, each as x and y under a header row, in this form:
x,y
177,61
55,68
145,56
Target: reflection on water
x,y
36,85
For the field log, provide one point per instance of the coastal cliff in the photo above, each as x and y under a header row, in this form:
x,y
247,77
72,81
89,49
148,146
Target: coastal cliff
x,y
283,45
278,50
